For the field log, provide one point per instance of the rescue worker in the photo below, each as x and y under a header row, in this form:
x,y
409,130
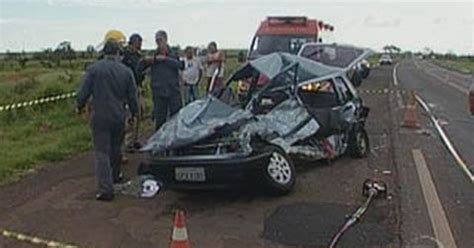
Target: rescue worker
x,y
131,56
112,86
164,70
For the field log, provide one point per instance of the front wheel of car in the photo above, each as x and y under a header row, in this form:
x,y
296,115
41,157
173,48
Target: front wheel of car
x,y
279,172
359,146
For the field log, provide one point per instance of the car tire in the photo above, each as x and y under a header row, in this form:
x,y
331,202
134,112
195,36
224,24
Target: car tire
x,y
279,172
359,146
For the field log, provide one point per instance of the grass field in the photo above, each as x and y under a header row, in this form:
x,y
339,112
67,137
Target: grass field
x,y
33,136
462,65
373,59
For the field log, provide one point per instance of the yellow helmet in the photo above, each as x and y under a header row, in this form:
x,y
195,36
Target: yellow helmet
x,y
115,35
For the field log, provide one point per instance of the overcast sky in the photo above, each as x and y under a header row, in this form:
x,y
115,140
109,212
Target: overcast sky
x,y
38,24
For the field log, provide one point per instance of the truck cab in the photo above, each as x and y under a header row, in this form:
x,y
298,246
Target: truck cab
x,y
285,34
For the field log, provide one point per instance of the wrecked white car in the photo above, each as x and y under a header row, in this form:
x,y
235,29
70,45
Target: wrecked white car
x,y
306,110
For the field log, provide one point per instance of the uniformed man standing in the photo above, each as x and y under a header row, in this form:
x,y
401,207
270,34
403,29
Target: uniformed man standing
x,y
131,57
164,71
112,87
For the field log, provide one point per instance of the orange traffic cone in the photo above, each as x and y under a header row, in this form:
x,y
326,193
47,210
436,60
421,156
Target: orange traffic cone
x,y
179,238
409,119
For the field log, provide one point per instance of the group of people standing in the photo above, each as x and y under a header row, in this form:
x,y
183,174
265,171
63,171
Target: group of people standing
x,y
114,82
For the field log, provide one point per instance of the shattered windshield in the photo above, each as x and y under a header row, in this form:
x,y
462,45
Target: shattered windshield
x,y
340,56
256,92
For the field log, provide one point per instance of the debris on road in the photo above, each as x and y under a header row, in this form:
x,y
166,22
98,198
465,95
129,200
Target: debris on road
x,y
372,190
424,131
144,186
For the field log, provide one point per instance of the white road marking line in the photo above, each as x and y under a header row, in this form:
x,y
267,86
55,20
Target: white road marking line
x,y
399,100
445,139
395,83
439,222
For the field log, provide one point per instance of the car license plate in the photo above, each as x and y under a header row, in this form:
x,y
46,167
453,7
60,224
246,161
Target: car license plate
x,y
190,174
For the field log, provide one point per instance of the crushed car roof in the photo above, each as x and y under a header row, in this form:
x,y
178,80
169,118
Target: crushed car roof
x,y
273,64
337,55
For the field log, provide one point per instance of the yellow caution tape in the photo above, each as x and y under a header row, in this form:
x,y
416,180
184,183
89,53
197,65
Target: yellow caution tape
x,y
35,240
37,101
382,91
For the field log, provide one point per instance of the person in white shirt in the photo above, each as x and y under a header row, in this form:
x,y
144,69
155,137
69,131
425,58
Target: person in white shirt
x,y
191,75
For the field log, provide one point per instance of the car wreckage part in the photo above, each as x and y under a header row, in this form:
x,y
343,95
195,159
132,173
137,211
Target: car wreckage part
x,y
213,80
144,186
370,189
280,172
149,188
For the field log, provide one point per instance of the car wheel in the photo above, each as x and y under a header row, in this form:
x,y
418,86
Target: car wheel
x,y
359,146
279,172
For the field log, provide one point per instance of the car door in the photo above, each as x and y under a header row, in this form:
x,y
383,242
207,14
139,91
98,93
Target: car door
x,y
348,106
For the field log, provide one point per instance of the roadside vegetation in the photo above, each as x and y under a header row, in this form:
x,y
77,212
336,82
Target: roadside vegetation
x,y
374,59
34,136
463,65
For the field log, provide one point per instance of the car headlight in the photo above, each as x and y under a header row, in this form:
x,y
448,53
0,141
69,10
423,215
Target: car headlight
x,y
311,87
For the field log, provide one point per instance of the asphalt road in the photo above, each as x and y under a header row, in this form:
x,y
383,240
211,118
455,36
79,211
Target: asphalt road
x,y
57,203
446,94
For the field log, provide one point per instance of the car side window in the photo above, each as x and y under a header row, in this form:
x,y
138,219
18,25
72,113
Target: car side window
x,y
342,90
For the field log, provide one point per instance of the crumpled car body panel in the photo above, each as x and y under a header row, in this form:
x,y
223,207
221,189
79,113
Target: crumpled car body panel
x,y
198,120
286,124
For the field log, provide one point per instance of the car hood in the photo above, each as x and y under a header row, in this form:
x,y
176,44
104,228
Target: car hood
x,y
196,121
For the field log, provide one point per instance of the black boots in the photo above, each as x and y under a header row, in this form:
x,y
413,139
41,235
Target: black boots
x,y
104,197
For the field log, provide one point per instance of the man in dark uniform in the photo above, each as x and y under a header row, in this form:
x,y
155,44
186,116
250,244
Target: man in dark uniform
x,y
165,67
131,57
112,86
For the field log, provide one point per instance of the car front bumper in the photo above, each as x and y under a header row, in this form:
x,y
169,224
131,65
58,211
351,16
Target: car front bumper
x,y
220,171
